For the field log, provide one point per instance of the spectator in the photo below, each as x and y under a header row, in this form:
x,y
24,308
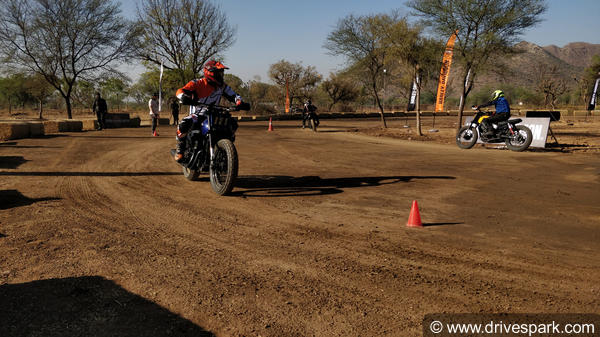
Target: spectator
x,y
153,106
175,110
100,109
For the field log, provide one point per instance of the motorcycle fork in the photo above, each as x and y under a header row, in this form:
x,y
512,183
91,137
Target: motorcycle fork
x,y
210,145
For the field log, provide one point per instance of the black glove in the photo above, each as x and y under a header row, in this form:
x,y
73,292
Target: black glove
x,y
187,97
243,106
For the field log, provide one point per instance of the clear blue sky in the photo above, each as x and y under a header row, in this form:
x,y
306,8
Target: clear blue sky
x,y
271,30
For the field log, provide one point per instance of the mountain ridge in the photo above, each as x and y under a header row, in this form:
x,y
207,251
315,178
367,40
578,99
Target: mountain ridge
x,y
524,67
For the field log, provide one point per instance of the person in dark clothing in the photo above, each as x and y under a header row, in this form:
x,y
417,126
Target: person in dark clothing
x,y
154,113
502,112
100,109
175,110
308,111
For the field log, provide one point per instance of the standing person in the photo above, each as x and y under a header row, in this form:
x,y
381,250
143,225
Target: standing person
x,y
175,110
502,112
100,109
153,106
207,90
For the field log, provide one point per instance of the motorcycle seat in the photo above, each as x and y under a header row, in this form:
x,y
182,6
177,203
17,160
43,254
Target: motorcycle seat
x,y
515,121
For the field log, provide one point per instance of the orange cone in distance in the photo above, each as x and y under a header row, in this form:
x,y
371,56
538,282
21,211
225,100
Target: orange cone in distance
x,y
270,124
414,219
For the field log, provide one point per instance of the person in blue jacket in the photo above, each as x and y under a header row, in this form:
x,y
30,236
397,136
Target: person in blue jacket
x,y
502,112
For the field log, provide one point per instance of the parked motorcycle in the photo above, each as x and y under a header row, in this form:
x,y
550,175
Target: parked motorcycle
x,y
210,147
516,137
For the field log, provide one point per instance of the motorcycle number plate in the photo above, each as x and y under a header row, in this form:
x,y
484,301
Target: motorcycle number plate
x,y
473,125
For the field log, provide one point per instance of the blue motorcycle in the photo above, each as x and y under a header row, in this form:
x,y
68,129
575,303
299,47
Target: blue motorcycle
x,y
210,147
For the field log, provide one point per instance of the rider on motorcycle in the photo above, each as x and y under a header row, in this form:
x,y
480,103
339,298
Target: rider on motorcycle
x,y
207,90
502,112
309,109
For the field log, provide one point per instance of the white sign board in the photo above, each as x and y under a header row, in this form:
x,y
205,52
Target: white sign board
x,y
538,126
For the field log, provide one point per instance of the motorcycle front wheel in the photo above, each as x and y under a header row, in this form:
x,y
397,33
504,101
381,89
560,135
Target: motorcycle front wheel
x,y
224,168
466,137
313,124
520,140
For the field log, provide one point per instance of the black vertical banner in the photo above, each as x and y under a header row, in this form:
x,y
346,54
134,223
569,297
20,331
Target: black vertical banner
x,y
412,103
592,104
413,97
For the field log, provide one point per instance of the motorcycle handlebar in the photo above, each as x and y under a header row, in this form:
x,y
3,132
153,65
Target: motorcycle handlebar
x,y
242,106
477,108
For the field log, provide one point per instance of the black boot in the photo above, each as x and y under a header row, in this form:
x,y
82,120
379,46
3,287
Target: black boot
x,y
179,150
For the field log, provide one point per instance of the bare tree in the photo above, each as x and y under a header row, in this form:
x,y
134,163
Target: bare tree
x,y
40,89
183,34
549,83
362,41
300,80
485,28
64,40
419,54
339,89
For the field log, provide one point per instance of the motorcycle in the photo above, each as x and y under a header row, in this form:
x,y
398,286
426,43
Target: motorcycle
x,y
313,120
516,137
210,147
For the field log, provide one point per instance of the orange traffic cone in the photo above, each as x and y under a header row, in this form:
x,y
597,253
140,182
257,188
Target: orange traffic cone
x,y
270,124
414,219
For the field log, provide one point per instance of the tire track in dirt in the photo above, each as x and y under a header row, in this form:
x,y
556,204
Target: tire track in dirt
x,y
275,262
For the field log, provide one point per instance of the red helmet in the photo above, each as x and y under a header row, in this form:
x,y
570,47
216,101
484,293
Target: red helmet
x,y
214,71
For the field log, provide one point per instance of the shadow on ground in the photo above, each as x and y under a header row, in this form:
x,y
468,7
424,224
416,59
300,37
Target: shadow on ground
x,y
433,224
279,186
15,145
11,162
14,198
564,147
88,174
85,306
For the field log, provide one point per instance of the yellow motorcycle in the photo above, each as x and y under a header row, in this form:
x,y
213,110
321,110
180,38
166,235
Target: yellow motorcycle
x,y
516,137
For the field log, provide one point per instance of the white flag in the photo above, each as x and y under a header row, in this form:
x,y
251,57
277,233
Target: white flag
x,y
160,88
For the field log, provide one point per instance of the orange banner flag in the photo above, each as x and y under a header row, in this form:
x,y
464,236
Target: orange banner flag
x,y
445,73
287,97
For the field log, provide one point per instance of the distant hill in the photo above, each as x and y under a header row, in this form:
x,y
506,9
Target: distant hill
x,y
521,69
577,54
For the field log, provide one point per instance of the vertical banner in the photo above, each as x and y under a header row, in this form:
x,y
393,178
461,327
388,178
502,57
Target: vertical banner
x,y
592,104
444,73
287,96
160,88
412,103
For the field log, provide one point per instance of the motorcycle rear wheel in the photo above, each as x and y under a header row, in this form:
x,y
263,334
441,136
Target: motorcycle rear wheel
x,y
466,137
224,169
521,140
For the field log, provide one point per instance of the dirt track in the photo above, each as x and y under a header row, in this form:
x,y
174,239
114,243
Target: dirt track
x,y
100,235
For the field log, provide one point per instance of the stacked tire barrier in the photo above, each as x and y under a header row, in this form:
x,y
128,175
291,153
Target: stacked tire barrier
x,y
16,130
29,129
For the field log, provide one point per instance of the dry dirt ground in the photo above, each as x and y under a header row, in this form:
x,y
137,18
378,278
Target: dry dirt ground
x,y
101,235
